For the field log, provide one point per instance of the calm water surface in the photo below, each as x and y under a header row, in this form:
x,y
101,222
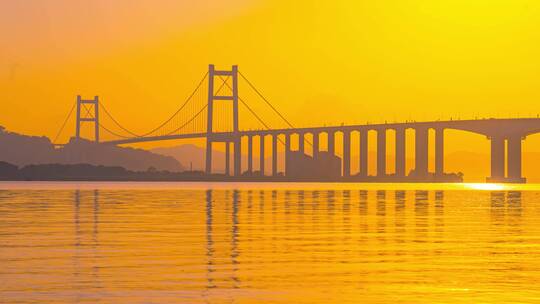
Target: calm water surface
x,y
299,243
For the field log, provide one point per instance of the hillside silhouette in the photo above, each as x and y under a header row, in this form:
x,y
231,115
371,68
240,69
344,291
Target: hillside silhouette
x,y
86,172
192,155
22,150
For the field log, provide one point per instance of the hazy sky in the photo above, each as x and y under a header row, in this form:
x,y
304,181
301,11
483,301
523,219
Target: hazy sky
x,y
320,62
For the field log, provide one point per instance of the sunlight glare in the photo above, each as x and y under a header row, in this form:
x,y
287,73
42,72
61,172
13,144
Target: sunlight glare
x,y
486,186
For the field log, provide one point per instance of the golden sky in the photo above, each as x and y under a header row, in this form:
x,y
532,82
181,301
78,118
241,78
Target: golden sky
x,y
320,62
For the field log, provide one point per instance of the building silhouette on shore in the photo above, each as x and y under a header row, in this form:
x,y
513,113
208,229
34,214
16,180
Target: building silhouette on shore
x,y
323,166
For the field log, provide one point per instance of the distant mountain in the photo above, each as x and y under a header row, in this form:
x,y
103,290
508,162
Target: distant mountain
x,y
82,151
22,150
191,155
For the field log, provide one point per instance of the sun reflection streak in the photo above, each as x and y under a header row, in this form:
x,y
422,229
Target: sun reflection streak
x,y
486,186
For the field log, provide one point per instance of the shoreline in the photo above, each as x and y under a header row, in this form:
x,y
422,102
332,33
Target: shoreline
x,y
299,186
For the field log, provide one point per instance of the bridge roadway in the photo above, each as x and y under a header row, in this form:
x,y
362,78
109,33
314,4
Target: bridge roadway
x,y
499,131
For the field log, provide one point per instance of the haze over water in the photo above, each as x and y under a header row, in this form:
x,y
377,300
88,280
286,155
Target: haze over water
x,y
297,243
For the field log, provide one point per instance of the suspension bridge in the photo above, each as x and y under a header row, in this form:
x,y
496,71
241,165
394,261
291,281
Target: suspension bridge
x,y
212,112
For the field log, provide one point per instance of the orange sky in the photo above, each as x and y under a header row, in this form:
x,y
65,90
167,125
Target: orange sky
x,y
320,62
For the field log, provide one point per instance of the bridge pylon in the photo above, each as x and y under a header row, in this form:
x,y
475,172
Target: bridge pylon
x,y
232,97
88,116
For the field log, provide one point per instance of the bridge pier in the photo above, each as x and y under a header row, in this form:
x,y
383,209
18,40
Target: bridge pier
x,y
421,153
274,155
514,159
237,157
346,153
227,158
513,155
381,152
250,155
439,151
301,142
400,152
497,159
315,145
287,150
331,143
261,155
208,166
363,153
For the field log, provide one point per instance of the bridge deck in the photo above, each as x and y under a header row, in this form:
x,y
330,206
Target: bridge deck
x,y
481,126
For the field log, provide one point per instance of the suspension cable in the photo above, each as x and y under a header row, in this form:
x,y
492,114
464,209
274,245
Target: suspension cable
x,y
245,104
270,105
256,116
265,100
115,121
65,122
223,83
162,124
180,109
189,121
113,133
87,109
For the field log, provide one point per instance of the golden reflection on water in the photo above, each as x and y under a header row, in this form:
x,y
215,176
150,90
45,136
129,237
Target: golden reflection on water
x,y
487,186
345,243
